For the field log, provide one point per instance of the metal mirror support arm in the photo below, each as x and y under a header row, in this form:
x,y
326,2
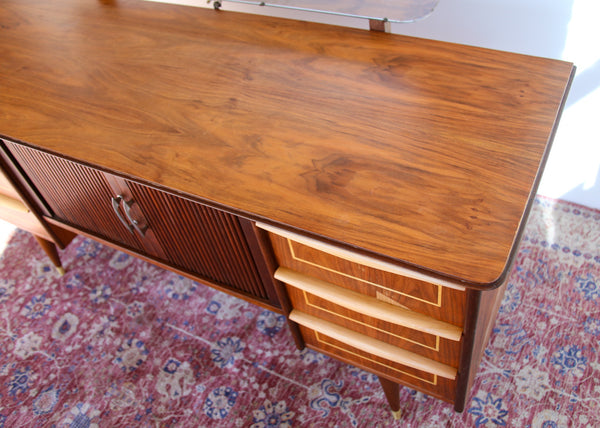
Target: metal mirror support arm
x,y
376,23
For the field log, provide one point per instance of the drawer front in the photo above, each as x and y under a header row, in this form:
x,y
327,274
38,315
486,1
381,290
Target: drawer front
x,y
427,344
14,211
21,217
422,380
435,300
6,187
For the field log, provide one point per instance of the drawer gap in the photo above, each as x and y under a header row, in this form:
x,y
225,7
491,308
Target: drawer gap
x,y
368,305
373,346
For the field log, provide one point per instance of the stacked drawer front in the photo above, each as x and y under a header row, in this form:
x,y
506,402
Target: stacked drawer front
x,y
396,323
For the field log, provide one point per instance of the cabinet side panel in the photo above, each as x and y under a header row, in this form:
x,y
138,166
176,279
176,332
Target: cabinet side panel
x,y
483,310
76,194
201,240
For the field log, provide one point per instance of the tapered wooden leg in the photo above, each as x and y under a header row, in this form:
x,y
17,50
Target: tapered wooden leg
x,y
392,393
52,253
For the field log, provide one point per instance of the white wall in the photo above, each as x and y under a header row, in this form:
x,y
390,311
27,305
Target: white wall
x,y
560,29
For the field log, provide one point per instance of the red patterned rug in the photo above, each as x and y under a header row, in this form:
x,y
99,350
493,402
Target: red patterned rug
x,y
117,342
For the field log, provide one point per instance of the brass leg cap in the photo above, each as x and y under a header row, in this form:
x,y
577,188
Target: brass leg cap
x,y
397,414
60,270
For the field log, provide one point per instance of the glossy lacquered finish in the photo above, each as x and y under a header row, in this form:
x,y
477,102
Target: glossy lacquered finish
x,y
420,152
371,187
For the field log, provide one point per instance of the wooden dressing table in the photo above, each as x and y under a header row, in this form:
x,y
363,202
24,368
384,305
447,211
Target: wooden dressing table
x,y
371,187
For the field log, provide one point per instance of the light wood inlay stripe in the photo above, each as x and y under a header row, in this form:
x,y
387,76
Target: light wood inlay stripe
x,y
435,348
367,305
13,204
436,303
358,258
373,346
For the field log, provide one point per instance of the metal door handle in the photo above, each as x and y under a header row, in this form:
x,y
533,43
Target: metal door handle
x,y
127,206
115,204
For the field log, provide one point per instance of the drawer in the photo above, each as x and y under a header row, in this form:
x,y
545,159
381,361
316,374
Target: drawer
x,y
6,187
15,212
401,366
396,326
12,203
387,282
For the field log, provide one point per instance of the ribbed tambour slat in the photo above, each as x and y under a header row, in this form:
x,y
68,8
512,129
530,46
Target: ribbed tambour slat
x,y
83,199
200,239
243,255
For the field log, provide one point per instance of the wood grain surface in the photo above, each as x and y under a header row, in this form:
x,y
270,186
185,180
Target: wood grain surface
x,y
418,151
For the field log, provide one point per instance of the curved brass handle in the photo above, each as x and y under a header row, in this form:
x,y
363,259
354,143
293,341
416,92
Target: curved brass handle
x,y
115,204
127,206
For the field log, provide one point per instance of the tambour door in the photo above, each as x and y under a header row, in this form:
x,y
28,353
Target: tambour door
x,y
199,239
76,194
203,241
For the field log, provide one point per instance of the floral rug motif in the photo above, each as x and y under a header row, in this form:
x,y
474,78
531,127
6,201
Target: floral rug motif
x,y
117,342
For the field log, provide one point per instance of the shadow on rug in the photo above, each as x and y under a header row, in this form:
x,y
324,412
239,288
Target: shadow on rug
x,y
118,342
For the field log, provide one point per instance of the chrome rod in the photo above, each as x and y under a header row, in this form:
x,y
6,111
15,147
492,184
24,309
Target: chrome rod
x,y
218,3
115,204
